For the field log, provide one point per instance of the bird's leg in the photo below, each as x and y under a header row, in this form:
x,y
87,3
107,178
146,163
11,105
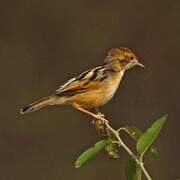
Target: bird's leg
x,y
97,112
96,116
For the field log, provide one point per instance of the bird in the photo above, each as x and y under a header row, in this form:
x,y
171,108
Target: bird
x,y
92,88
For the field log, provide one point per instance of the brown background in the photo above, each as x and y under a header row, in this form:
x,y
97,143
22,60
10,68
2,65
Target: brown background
x,y
43,43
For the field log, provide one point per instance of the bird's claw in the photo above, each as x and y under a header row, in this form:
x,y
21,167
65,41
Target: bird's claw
x,y
100,114
100,117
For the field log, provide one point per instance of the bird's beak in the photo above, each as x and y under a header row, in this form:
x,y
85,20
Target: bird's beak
x,y
139,64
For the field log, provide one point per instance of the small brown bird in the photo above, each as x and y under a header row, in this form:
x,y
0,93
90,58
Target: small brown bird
x,y
94,87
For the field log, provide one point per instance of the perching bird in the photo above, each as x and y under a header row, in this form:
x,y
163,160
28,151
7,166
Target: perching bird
x,y
94,87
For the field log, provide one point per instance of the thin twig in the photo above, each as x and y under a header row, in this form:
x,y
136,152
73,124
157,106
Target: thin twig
x,y
140,163
133,156
116,134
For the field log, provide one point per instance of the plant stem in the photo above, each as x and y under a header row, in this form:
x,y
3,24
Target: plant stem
x,y
138,172
116,133
139,162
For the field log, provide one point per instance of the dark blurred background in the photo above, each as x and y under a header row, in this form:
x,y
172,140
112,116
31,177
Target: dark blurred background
x,y
43,43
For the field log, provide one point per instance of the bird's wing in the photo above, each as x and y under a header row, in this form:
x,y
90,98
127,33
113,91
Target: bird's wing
x,y
83,82
66,84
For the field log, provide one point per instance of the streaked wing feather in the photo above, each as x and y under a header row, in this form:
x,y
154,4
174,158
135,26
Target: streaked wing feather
x,y
72,80
66,84
84,82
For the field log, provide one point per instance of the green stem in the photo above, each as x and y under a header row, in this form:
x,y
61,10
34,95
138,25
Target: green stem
x,y
138,162
116,134
138,172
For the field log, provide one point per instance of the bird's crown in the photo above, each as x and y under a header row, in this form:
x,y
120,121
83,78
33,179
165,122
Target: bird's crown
x,y
124,56
120,53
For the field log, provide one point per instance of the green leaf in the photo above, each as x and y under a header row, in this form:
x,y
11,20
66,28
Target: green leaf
x,y
91,152
154,152
136,133
150,135
130,169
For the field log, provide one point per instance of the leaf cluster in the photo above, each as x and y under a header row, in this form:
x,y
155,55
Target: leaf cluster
x,y
144,141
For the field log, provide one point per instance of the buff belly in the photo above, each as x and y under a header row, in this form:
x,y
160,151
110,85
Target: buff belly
x,y
97,97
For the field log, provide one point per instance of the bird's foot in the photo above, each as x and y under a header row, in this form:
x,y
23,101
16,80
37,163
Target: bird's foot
x,y
100,117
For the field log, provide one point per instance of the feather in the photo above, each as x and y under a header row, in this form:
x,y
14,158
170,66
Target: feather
x,y
83,82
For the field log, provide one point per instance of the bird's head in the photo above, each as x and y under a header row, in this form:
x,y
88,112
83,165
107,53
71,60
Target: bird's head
x,y
122,58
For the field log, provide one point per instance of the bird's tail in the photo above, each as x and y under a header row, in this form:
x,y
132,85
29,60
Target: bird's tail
x,y
37,105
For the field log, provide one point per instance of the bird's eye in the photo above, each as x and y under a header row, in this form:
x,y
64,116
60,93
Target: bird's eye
x,y
131,58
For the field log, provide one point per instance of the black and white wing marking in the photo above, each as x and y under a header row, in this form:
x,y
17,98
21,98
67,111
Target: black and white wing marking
x,y
66,84
83,82
72,80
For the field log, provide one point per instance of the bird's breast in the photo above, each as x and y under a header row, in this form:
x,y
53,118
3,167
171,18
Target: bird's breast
x,y
100,96
111,86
